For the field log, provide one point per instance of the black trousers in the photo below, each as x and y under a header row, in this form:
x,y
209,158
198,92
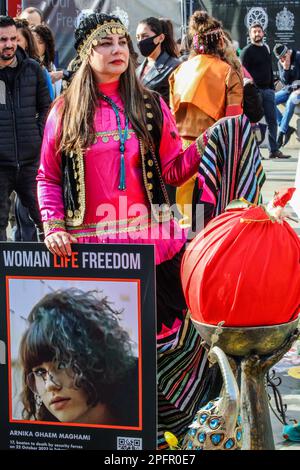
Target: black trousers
x,y
25,230
170,299
23,181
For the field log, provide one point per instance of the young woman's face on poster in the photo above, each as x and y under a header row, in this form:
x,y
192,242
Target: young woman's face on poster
x,y
54,384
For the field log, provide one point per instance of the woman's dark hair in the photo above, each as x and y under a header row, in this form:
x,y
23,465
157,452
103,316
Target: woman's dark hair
x,y
163,26
47,37
82,330
81,99
23,26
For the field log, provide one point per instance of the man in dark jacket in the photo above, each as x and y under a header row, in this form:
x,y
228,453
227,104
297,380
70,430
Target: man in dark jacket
x,y
256,58
24,102
289,73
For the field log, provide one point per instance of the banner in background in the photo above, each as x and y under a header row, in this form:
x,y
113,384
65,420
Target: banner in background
x,y
62,16
77,401
13,7
280,19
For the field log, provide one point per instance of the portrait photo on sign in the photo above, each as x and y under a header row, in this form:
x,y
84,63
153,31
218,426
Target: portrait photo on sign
x,y
74,351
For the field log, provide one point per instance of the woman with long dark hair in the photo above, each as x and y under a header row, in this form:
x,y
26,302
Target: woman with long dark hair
x,y
155,40
25,38
45,45
109,147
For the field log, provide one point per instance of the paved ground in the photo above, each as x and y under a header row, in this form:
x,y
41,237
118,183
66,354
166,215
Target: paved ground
x,y
282,173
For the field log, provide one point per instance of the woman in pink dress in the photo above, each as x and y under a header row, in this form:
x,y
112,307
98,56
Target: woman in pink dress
x,y
109,147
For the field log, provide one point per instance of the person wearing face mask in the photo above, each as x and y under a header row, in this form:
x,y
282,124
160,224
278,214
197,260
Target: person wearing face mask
x,y
156,43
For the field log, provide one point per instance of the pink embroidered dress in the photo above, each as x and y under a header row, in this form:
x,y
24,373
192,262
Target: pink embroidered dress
x,y
113,215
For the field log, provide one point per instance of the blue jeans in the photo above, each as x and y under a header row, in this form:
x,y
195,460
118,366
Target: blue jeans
x,y
291,100
269,106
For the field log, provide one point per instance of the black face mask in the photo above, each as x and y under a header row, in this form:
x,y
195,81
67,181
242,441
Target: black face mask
x,y
147,46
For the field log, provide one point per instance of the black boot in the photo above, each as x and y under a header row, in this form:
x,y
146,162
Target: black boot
x,y
289,134
280,139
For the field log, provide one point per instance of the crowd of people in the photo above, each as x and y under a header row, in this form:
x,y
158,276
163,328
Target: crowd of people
x,y
116,129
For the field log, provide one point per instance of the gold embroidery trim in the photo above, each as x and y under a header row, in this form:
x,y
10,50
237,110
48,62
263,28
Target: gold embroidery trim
x,y
108,27
75,219
162,215
113,134
133,228
110,222
53,224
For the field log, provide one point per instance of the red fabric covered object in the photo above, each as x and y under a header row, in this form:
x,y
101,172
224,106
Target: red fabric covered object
x,y
243,268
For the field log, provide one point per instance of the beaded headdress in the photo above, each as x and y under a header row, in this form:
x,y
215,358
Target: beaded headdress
x,y
113,26
200,40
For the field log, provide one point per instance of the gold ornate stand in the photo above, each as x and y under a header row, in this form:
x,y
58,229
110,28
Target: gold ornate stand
x,y
252,352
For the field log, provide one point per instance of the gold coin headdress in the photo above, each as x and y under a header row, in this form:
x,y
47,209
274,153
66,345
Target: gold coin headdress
x,y
100,32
